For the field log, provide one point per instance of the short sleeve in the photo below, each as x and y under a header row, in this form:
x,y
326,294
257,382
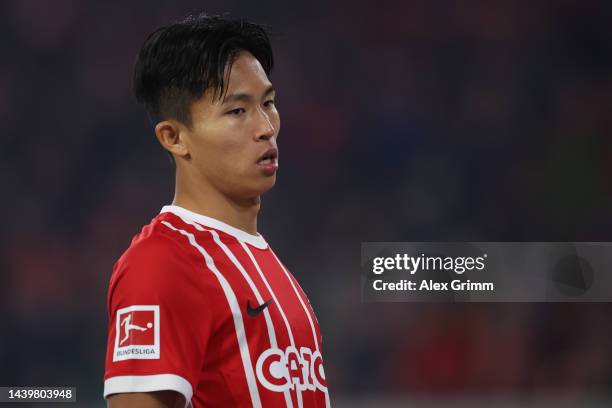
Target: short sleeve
x,y
159,322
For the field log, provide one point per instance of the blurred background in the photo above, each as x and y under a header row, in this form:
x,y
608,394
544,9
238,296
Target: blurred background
x,y
401,121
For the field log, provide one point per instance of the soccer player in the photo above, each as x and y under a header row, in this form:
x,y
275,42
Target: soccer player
x,y
201,311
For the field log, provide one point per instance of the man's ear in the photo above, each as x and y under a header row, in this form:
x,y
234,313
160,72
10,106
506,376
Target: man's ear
x,y
171,135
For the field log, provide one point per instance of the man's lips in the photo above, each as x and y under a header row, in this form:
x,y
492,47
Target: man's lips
x,y
268,162
270,156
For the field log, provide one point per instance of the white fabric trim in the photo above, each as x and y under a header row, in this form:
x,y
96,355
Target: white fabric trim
x,y
247,278
236,314
278,304
149,383
257,241
280,309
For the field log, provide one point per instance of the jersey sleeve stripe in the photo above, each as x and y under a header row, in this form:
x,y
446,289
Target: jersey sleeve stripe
x,y
149,383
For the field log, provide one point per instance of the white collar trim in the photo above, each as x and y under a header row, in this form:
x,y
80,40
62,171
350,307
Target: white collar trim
x,y
257,241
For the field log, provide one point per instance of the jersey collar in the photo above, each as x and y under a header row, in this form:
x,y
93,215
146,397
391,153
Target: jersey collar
x,y
257,241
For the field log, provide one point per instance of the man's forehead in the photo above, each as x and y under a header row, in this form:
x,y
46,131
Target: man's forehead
x,y
246,96
243,62
246,79
247,75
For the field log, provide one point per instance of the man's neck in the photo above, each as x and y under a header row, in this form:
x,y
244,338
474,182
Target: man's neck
x,y
205,200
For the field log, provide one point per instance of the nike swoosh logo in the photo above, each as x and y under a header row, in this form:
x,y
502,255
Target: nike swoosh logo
x,y
254,311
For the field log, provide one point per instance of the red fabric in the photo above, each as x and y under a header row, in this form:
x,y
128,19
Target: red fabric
x,y
198,337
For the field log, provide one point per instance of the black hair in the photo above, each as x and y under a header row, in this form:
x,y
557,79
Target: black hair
x,y
177,64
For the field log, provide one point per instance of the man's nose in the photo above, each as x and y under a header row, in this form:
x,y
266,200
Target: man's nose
x,y
265,128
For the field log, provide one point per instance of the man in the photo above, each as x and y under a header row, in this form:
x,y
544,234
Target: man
x,y
201,311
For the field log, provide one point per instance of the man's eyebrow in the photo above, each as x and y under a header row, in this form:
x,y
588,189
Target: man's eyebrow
x,y
269,90
244,96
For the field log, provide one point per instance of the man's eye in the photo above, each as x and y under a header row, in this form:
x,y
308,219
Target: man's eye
x,y
236,111
269,103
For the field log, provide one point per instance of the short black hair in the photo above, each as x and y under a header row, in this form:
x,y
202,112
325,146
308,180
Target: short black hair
x,y
178,63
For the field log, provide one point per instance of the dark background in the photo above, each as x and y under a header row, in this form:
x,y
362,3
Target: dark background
x,y
401,121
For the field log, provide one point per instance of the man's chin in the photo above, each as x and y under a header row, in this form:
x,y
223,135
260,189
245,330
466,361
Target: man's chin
x,y
260,188
268,184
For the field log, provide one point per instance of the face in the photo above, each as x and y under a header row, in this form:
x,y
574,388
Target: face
x,y
232,141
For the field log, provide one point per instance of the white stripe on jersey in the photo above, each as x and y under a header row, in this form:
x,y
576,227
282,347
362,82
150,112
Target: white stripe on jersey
x,y
280,308
236,314
308,312
247,278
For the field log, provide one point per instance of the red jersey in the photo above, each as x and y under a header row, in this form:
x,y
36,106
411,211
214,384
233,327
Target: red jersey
x,y
205,309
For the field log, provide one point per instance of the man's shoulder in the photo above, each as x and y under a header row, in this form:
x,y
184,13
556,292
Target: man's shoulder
x,y
165,236
153,240
160,264
157,248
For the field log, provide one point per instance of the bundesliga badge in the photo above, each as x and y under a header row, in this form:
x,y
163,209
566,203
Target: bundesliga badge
x,y
137,333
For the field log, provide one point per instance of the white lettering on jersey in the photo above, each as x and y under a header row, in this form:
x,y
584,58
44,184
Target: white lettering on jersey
x,y
279,370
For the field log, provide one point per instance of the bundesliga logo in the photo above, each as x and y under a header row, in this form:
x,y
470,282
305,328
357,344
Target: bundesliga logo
x,y
137,333
279,370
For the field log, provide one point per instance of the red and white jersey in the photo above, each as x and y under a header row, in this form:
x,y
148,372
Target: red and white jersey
x,y
205,309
